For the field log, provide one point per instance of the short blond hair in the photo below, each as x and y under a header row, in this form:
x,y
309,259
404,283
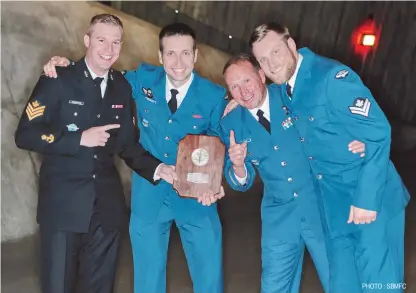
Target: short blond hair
x,y
261,31
106,19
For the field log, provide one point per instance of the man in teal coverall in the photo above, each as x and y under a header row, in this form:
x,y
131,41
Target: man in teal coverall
x,y
259,135
363,200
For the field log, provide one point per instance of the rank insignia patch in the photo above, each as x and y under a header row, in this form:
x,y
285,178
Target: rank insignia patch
x,y
34,110
72,127
48,138
341,74
361,107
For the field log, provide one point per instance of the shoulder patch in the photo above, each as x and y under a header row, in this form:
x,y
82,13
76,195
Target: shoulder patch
x,y
361,107
341,74
34,110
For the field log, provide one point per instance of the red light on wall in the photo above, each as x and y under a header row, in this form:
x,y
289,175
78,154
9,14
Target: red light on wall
x,y
368,40
365,38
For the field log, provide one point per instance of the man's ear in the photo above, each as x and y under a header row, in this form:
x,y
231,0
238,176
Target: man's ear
x,y
160,57
292,45
262,76
196,55
87,41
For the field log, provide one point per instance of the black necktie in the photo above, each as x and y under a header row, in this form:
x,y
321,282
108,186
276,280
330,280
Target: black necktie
x,y
173,103
98,80
263,121
289,90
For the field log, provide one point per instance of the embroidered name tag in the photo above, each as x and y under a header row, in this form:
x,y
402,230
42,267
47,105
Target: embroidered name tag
x,y
76,102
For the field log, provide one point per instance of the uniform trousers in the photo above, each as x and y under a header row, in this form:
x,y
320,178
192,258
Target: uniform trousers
x,y
201,240
371,260
79,262
282,261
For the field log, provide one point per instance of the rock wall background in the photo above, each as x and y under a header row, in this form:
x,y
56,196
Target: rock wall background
x,y
32,32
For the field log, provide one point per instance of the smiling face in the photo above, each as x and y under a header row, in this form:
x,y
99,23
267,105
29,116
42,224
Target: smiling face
x,y
246,84
178,57
277,56
103,45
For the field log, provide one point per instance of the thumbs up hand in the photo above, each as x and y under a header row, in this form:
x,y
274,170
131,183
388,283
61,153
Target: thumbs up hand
x,y
237,152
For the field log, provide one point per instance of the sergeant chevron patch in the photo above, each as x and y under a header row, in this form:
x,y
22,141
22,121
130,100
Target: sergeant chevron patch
x,y
34,110
361,107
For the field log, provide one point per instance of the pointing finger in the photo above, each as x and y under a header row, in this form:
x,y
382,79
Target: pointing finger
x,y
110,126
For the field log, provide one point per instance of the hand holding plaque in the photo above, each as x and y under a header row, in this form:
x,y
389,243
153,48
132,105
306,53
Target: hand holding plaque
x,y
199,165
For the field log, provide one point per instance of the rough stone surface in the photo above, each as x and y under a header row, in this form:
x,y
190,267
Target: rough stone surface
x,y
32,32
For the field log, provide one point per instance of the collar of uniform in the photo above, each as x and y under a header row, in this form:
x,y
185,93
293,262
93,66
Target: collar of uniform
x,y
264,107
92,73
182,89
292,80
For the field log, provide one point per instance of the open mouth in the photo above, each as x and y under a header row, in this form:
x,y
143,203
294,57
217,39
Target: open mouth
x,y
106,57
178,71
247,98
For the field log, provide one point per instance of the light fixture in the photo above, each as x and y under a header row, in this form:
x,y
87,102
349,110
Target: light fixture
x,y
368,40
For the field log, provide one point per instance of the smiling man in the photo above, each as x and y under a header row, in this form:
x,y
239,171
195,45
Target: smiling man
x,y
363,201
261,136
79,121
172,100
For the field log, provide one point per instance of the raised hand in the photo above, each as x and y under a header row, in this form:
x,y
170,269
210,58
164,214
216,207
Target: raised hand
x,y
97,136
237,152
49,68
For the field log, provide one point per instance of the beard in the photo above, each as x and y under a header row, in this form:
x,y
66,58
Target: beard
x,y
288,72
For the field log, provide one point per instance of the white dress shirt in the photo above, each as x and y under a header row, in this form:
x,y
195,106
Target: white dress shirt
x,y
182,90
103,84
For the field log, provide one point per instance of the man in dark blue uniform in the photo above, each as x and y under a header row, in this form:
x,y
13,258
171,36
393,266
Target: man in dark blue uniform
x,y
363,200
79,121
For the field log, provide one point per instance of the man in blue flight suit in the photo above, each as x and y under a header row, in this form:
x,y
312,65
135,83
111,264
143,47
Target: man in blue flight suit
x,y
267,140
363,200
172,101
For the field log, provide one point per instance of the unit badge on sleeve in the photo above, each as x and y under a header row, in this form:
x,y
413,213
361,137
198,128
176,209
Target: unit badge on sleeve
x,y
361,107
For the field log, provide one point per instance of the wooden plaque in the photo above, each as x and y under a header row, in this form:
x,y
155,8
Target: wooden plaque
x,y
199,165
